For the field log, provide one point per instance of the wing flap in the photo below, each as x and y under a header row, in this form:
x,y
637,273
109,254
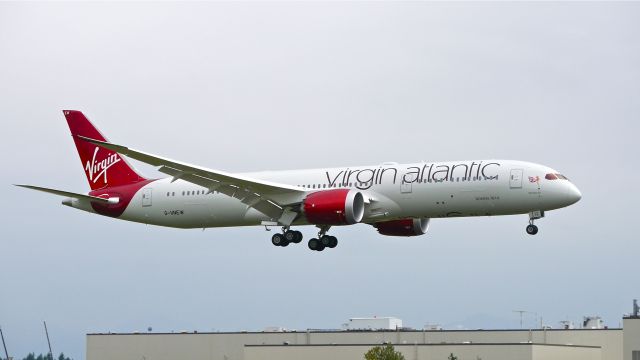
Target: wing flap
x,y
251,199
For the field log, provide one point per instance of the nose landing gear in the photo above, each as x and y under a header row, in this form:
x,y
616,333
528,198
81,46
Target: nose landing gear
x,y
534,215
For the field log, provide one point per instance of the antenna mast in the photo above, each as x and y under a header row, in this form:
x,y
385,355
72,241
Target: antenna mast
x,y
521,312
48,341
4,344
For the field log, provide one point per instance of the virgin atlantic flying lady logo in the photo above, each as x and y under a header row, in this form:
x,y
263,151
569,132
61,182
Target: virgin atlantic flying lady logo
x,y
97,169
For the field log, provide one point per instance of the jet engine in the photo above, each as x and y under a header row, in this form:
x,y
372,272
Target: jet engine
x,y
334,207
403,227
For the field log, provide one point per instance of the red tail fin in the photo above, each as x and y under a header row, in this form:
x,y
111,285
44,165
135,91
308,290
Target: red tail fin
x,y
104,168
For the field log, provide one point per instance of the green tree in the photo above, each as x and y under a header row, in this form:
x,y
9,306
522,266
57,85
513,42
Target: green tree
x,y
386,352
32,356
452,357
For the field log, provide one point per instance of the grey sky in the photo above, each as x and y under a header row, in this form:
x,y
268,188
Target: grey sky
x,y
253,86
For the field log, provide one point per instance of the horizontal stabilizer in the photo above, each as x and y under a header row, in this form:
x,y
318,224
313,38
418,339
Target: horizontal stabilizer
x,y
68,194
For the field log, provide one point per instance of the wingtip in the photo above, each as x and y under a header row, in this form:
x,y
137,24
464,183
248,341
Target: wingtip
x,y
25,186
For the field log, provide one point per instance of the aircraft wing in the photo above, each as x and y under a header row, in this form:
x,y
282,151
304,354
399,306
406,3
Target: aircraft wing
x,y
272,199
67,194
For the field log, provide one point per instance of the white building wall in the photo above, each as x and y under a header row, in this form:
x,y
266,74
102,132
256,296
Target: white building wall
x,y
631,337
230,346
426,352
377,323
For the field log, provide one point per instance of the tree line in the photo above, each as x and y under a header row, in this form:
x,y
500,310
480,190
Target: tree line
x,y
33,356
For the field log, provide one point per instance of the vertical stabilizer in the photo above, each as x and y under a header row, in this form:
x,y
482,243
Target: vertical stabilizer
x,y
103,168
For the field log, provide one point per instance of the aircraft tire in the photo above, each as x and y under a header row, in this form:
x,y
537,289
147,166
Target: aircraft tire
x,y
532,229
325,240
278,239
290,236
298,237
333,243
314,244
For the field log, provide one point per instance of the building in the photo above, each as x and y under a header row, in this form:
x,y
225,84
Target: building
x,y
373,323
537,344
631,337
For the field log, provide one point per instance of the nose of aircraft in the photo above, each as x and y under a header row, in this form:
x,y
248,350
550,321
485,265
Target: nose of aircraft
x,y
573,194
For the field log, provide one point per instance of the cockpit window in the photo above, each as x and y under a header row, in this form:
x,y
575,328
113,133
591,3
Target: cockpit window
x,y
555,177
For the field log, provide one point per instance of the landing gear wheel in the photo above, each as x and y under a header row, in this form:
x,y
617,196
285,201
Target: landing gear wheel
x,y
325,240
333,243
314,244
278,240
532,229
298,237
290,235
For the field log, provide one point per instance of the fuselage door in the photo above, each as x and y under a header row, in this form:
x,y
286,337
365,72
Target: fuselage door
x,y
406,187
515,181
146,196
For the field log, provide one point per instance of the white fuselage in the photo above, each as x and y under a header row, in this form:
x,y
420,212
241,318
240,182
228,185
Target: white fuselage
x,y
391,191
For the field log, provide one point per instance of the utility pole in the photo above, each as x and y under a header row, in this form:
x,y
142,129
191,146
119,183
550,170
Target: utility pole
x,y
4,344
521,312
48,342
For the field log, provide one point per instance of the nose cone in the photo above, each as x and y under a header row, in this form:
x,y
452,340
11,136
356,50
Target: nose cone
x,y
573,194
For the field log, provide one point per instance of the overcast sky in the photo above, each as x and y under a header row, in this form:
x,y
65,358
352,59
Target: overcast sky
x,y
245,87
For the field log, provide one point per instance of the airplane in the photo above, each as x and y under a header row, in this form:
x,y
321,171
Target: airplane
x,y
396,199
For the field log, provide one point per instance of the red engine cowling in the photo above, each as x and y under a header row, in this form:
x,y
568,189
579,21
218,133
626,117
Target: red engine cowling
x,y
403,227
334,207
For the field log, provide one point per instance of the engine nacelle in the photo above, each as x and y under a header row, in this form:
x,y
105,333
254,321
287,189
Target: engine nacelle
x,y
403,227
334,207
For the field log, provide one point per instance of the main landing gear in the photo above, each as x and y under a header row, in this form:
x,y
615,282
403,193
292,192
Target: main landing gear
x,y
287,237
323,241
320,243
534,215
